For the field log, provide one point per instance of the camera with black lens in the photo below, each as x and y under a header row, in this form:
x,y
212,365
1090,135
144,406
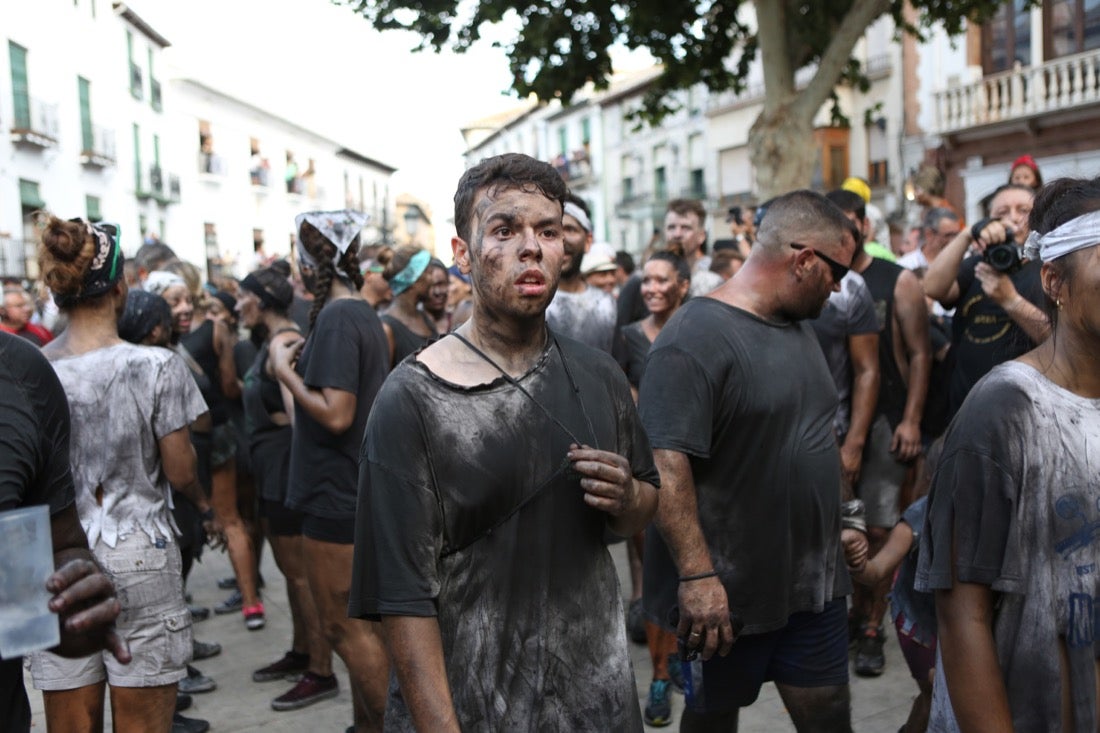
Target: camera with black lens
x,y
1001,256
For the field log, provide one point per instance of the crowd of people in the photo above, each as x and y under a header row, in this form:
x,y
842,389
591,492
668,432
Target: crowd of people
x,y
795,431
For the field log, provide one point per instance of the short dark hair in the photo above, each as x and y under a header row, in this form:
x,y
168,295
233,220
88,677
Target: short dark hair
x,y
624,260
800,214
152,256
502,172
683,271
935,215
849,203
683,207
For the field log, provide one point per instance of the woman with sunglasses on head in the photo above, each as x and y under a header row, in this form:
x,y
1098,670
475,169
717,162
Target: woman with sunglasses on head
x,y
1010,543
131,407
334,376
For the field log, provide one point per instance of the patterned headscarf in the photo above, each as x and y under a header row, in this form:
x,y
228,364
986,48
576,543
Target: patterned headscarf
x,y
106,267
339,227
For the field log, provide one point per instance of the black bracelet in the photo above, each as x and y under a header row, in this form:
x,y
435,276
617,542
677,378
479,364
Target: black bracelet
x,y
700,576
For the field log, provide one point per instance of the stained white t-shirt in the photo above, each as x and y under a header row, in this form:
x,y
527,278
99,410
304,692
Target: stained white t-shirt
x,y
123,399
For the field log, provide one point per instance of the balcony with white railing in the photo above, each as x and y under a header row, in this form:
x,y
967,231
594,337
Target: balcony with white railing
x,y
98,148
1063,84
35,123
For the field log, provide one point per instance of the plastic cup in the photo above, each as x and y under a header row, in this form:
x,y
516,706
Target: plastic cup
x,y
26,549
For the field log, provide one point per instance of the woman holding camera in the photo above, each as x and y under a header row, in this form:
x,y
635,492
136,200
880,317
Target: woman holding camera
x,y
996,296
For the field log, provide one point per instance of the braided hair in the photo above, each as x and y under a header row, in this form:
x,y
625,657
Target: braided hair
x,y
322,250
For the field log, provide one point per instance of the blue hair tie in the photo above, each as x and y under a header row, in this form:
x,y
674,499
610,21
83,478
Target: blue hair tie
x,y
403,280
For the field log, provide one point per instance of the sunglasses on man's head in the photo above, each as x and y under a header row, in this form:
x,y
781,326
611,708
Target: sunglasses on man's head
x,y
838,270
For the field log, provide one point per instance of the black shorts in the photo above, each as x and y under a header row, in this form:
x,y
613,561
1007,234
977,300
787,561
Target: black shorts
x,y
810,651
281,521
336,531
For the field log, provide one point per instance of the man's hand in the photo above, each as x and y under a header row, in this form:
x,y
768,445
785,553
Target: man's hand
x,y
606,478
906,444
705,617
84,600
996,285
851,458
284,353
855,549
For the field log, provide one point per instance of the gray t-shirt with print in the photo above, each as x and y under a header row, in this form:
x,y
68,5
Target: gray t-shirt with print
x,y
124,399
1016,491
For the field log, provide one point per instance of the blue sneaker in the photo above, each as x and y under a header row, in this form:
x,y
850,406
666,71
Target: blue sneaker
x,y
658,709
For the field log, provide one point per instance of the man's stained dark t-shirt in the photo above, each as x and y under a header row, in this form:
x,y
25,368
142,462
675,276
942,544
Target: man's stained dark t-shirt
x,y
472,514
751,403
34,469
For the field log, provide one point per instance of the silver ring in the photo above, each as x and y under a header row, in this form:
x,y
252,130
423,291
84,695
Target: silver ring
x,y
694,633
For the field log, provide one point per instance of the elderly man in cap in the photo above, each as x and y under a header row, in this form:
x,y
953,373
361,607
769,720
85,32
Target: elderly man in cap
x,y
579,310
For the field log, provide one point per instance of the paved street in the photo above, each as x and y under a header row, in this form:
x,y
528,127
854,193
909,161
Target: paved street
x,y
240,705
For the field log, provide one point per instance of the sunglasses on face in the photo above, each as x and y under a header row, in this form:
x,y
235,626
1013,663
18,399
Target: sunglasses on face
x,y
838,270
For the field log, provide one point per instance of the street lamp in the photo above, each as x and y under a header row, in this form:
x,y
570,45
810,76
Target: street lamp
x,y
412,222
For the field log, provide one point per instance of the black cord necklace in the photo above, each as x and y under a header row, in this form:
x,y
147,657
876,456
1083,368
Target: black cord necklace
x,y
515,383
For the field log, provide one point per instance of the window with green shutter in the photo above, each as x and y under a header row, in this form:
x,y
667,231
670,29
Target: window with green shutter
x,y
86,135
17,55
137,157
91,205
29,196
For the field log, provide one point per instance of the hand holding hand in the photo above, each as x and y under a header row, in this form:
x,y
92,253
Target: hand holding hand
x,y
84,600
855,549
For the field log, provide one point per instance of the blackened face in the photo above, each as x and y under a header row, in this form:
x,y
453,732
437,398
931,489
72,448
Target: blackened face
x,y
575,243
515,258
436,301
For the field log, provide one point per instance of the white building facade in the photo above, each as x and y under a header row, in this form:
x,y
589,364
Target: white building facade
x,y
85,132
245,174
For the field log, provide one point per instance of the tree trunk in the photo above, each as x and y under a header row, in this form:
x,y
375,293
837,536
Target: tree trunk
x,y
782,150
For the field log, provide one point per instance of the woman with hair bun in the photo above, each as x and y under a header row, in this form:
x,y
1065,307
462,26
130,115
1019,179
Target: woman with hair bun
x,y
407,327
131,407
334,381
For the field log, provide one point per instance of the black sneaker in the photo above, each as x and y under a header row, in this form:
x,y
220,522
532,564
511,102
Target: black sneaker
x,y
183,701
658,709
196,681
232,604
635,622
181,724
199,613
292,663
310,689
870,660
227,583
204,649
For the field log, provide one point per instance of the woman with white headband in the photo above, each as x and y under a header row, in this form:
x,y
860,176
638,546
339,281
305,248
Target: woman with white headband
x,y
1012,543
334,376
